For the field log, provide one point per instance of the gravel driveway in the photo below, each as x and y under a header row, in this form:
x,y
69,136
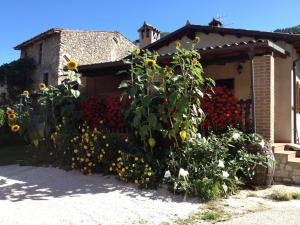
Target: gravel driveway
x,y
38,196
49,196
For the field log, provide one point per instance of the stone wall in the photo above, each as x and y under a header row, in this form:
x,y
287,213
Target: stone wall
x,y
89,47
49,63
86,47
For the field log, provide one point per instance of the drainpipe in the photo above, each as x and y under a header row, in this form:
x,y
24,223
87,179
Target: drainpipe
x,y
295,98
251,57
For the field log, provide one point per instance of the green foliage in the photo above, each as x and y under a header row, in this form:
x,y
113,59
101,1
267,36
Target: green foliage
x,y
216,165
165,100
17,76
2,117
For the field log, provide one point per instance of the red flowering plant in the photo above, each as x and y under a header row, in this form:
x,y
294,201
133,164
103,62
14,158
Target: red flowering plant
x,y
94,110
222,110
113,116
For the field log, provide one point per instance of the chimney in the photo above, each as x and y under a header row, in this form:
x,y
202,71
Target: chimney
x,y
148,35
215,23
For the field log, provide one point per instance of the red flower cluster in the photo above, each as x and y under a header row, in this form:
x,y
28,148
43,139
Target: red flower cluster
x,y
113,117
93,110
221,110
108,110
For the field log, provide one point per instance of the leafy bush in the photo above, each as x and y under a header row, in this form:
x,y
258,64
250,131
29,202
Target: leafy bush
x,y
214,166
17,76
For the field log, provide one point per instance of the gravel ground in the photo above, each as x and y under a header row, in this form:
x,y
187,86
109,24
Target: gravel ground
x,y
49,196
38,196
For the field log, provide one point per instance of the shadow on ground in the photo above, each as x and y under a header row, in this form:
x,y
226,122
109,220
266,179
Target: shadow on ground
x,y
18,183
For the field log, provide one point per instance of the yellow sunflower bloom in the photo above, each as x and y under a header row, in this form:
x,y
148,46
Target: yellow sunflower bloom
x,y
150,62
178,44
197,39
26,94
42,86
15,128
10,111
137,51
195,62
72,65
11,116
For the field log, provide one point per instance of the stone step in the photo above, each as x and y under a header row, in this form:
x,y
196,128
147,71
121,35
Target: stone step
x,y
278,147
284,156
293,147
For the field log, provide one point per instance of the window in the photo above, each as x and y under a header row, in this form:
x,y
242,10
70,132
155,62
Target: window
x,y
228,83
40,53
46,78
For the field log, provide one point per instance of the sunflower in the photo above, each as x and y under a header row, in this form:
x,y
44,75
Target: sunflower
x,y
10,111
150,62
137,51
15,128
11,116
178,44
42,86
72,65
26,94
197,39
195,62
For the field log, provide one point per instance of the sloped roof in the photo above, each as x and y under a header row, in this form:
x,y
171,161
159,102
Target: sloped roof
x,y
209,54
190,31
54,31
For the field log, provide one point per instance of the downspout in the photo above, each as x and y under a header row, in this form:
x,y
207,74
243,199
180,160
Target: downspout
x,y
251,57
295,98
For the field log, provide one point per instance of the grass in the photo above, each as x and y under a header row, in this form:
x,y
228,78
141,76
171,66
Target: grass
x,y
212,212
282,195
12,154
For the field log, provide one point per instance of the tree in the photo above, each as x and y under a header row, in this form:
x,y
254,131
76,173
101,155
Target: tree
x,y
294,29
17,75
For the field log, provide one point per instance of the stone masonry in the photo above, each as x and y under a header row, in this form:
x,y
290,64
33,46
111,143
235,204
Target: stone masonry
x,y
287,165
264,95
84,46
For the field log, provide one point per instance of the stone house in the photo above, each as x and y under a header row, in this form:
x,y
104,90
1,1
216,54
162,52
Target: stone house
x,y
52,49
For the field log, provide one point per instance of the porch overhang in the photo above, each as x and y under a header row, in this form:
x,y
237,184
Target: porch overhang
x,y
211,55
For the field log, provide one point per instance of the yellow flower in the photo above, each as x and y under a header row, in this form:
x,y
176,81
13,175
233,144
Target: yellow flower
x,y
150,62
88,154
137,51
123,169
11,116
110,168
104,137
147,179
26,94
73,159
195,62
178,44
149,174
151,142
136,181
183,135
107,145
75,151
197,39
136,158
9,111
126,140
72,65
42,86
15,128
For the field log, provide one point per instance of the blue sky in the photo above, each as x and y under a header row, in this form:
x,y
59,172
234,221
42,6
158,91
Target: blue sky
x,y
20,20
